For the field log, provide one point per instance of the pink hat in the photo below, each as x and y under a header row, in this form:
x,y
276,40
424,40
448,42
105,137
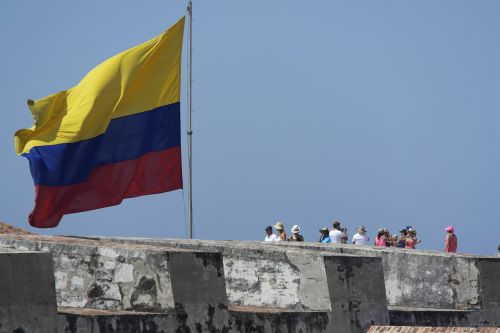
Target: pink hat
x,y
450,228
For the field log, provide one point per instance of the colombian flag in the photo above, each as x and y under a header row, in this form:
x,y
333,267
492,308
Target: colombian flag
x,y
113,136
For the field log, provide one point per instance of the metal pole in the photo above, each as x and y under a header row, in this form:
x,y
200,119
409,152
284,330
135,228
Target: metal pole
x,y
190,131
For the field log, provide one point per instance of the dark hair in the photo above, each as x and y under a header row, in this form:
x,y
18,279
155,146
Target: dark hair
x,y
336,224
324,231
269,228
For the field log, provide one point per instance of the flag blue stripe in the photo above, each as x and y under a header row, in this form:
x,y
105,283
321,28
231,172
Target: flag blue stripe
x,y
126,138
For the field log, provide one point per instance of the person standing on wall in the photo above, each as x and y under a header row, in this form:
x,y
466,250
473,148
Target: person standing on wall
x,y
270,237
360,238
324,237
281,231
337,235
411,240
381,239
401,242
296,236
450,242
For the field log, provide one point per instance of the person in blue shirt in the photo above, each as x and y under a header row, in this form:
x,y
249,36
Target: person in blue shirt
x,y
325,238
402,238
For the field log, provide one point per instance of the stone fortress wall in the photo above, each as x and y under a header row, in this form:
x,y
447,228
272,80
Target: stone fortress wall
x,y
103,284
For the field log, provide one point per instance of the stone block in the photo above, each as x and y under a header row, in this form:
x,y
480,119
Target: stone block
x,y
107,276
357,292
489,273
27,293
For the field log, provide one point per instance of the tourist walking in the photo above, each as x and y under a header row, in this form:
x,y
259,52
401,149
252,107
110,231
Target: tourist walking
x,y
360,237
450,242
281,230
296,236
324,235
270,237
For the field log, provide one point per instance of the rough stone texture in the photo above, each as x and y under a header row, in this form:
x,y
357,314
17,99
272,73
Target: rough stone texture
x,y
93,274
417,282
489,269
419,278
230,286
299,280
435,317
275,277
254,320
27,294
412,278
357,292
10,229
412,329
100,275
238,320
284,279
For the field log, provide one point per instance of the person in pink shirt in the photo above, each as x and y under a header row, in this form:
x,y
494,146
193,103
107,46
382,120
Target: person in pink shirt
x,y
411,239
381,239
450,242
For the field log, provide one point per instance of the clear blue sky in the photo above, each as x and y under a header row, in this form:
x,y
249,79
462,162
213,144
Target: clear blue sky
x,y
375,113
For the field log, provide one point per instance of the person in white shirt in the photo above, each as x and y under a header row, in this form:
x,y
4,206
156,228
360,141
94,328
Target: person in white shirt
x,y
360,238
270,237
336,235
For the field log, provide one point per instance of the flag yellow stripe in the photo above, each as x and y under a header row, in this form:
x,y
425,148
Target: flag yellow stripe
x,y
137,80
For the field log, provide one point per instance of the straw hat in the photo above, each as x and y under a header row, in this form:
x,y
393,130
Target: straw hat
x,y
361,229
279,226
295,229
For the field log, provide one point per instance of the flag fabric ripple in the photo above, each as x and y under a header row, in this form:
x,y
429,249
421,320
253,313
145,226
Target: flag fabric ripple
x,y
115,135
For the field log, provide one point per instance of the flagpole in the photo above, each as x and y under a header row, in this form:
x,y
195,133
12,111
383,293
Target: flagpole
x,y
190,131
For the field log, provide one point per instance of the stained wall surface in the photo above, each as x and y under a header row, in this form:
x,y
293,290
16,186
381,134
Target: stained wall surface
x,y
257,286
418,284
27,294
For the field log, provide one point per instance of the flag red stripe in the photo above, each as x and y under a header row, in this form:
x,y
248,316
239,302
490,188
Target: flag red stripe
x,y
108,185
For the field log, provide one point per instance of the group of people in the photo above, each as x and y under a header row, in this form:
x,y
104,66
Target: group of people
x,y
281,236
407,237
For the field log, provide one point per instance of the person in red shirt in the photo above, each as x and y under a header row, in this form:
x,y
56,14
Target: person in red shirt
x,y
450,242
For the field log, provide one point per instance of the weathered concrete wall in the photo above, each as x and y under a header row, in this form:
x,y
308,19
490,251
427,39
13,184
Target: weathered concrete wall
x,y
357,292
273,277
94,275
412,278
103,275
436,317
412,329
250,320
420,278
256,286
350,288
27,294
489,271
425,282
